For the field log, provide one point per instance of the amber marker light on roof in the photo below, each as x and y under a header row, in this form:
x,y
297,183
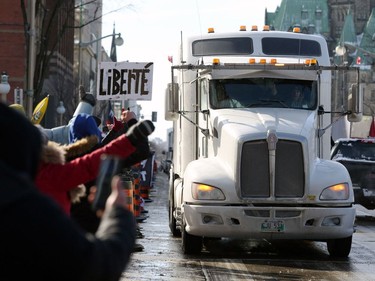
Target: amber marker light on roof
x,y
273,61
296,29
262,61
216,61
243,28
211,30
254,28
311,62
266,28
251,61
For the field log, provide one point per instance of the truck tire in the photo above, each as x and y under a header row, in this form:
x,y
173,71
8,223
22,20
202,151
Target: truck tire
x,y
172,221
191,244
339,248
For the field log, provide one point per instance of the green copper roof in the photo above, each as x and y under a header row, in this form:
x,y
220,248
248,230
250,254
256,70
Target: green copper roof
x,y
348,31
310,15
347,37
366,50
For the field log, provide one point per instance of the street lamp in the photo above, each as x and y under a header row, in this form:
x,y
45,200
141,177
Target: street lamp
x,y
119,41
4,86
61,110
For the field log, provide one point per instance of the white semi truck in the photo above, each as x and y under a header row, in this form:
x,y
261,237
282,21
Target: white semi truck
x,y
250,153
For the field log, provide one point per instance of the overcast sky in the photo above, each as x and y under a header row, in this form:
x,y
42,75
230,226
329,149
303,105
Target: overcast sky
x,y
152,30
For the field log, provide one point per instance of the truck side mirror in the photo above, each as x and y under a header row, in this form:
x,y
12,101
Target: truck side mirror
x,y
171,102
355,103
320,110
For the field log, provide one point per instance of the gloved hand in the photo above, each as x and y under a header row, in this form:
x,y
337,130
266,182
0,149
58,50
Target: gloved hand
x,y
140,131
143,152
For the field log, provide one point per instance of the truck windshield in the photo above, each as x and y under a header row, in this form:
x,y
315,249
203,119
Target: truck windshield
x,y
263,92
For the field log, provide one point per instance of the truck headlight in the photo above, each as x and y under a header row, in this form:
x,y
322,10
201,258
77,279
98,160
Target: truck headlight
x,y
336,192
206,192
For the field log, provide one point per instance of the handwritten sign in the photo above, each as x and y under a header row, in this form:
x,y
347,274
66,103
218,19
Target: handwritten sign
x,y
125,81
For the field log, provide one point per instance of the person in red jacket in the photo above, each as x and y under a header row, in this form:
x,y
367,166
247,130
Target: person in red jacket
x,y
82,211
56,178
38,241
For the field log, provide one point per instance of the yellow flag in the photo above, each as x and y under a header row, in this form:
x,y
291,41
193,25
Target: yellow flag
x,y
39,111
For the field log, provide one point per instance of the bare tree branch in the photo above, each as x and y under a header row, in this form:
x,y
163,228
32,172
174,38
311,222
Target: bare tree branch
x,y
52,31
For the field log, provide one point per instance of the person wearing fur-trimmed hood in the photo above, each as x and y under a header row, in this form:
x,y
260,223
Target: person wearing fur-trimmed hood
x,y
55,154
56,177
38,241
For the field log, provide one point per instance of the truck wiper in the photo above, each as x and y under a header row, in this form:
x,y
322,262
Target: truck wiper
x,y
267,102
280,102
256,104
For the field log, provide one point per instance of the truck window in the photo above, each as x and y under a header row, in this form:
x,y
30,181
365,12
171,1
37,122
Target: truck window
x,y
223,46
263,92
290,47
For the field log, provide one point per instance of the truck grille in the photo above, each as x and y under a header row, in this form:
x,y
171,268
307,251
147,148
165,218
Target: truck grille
x,y
255,170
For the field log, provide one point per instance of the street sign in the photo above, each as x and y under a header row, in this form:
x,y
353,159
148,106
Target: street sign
x,y
154,117
18,95
125,81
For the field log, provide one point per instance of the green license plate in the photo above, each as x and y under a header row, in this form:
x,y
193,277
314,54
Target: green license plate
x,y
273,226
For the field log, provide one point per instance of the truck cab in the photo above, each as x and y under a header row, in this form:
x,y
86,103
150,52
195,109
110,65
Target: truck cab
x,y
252,142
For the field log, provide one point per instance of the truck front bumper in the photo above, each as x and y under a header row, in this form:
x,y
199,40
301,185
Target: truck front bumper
x,y
313,223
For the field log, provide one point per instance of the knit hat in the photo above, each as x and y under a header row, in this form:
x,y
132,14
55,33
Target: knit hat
x,y
21,143
83,125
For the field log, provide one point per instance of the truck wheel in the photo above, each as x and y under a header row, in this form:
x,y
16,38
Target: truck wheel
x,y
190,244
339,248
172,221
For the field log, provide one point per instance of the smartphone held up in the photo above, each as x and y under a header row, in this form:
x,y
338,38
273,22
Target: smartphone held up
x,y
109,167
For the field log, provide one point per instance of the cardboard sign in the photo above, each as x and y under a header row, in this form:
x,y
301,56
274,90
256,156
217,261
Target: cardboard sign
x,y
125,81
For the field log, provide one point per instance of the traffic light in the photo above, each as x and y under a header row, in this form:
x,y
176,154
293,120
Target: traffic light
x,y
154,116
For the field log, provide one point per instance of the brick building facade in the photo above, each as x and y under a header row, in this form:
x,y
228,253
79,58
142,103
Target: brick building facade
x,y
12,46
54,51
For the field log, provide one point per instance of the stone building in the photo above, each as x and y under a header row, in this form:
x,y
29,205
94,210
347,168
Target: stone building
x,y
349,28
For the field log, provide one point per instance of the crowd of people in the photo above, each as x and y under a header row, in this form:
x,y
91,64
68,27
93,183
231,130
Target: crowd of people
x,y
50,230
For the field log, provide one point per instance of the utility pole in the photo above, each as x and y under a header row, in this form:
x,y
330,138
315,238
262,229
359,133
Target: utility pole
x,y
79,48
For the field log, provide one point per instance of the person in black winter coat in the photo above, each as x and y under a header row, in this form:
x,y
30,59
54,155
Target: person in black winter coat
x,y
38,241
82,212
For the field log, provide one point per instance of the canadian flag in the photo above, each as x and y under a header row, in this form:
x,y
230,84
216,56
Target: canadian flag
x,y
170,58
358,61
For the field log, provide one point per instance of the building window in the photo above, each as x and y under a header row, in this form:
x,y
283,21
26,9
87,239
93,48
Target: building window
x,y
304,14
318,14
311,29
